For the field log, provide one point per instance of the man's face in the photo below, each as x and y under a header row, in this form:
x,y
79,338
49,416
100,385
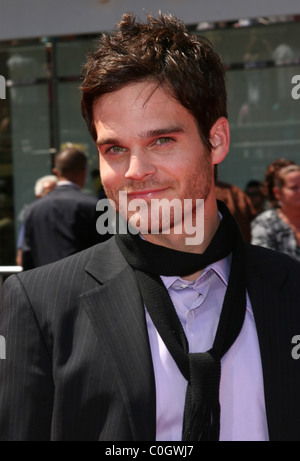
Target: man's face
x,y
150,147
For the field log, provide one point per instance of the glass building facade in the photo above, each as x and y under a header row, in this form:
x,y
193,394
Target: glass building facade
x,y
40,108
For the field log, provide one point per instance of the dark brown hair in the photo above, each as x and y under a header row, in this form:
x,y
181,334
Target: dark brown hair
x,y
162,51
70,160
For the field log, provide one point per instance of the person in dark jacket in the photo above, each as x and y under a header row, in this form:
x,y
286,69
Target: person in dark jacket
x,y
64,221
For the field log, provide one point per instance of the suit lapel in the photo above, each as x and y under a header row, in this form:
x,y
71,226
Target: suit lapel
x,y
116,312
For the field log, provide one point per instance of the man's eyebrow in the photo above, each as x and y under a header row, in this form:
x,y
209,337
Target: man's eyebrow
x,y
147,134
105,141
161,131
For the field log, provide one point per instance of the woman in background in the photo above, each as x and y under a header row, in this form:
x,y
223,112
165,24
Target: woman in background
x,y
279,227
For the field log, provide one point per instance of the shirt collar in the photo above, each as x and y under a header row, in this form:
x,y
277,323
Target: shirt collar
x,y
221,268
67,183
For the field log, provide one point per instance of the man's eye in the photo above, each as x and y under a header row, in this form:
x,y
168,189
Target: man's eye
x,y
164,140
116,149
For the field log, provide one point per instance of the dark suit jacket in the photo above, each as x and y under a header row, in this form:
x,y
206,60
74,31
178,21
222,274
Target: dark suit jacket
x,y
59,225
78,362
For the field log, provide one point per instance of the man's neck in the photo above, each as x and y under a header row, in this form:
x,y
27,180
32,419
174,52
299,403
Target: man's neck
x,y
179,241
67,182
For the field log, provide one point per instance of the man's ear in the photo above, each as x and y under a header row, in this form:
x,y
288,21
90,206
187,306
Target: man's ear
x,y
220,140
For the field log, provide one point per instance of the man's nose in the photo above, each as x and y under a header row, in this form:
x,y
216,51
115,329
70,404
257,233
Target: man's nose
x,y
140,167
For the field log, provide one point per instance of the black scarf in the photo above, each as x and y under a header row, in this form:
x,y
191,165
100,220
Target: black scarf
x,y
201,370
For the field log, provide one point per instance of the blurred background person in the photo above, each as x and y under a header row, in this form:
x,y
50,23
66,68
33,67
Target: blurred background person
x,y
45,185
254,190
42,187
268,185
64,221
239,204
6,231
279,227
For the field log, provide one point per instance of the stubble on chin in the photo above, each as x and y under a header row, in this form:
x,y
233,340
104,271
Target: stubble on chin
x,y
198,186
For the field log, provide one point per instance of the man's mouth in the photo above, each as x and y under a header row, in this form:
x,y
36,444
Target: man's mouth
x,y
146,193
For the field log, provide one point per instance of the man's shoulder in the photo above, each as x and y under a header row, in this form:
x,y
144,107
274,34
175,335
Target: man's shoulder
x,y
58,286
29,208
81,198
269,263
85,196
76,192
259,253
69,196
38,204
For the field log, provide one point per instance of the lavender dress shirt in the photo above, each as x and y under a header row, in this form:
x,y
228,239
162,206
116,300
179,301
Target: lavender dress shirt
x,y
198,305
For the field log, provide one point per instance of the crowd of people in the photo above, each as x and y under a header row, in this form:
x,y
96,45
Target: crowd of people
x,y
278,227
268,211
146,337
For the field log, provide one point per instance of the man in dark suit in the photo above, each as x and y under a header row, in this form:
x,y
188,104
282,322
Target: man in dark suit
x,y
64,221
160,333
